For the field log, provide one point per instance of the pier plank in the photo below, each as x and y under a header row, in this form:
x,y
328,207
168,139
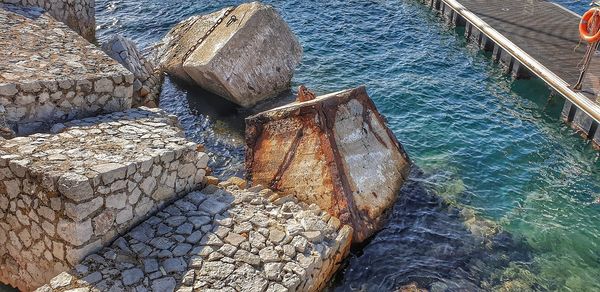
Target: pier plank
x,y
546,31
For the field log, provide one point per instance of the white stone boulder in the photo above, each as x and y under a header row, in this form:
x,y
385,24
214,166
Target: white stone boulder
x,y
148,79
249,57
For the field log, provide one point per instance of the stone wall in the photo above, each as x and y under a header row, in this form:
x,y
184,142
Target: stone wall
x,y
35,106
219,239
63,196
148,79
50,74
79,15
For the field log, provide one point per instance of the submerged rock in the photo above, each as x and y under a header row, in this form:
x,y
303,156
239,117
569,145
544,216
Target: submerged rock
x,y
148,79
427,241
412,287
334,151
250,56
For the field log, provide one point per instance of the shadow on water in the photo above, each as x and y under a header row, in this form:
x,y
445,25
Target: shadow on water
x,y
437,246
214,122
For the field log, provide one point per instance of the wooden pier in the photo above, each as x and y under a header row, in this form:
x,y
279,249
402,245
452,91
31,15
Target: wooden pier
x,y
533,38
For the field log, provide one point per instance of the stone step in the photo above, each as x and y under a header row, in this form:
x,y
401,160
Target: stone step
x,y
51,74
219,239
65,195
79,15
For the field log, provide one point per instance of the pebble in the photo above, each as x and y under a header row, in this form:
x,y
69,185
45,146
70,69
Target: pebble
x,y
181,249
132,276
174,265
164,285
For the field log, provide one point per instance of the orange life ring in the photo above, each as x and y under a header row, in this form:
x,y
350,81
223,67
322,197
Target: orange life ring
x,y
584,27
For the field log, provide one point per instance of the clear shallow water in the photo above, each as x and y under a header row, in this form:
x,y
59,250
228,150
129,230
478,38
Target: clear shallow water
x,y
486,144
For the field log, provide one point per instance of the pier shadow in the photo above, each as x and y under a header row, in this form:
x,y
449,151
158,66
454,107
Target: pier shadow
x,y
437,246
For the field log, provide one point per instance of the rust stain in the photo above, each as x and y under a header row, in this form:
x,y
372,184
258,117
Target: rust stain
x,y
341,207
304,94
289,157
276,155
254,129
366,118
343,189
369,103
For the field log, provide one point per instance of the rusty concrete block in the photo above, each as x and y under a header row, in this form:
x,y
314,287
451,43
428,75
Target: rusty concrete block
x,y
334,151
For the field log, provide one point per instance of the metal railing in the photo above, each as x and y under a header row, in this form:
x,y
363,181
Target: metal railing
x,y
556,83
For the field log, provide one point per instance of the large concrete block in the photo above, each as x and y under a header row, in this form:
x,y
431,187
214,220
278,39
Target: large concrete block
x,y
50,74
79,15
246,60
218,240
334,151
63,196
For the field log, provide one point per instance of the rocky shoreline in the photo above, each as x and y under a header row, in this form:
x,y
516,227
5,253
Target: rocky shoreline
x,y
68,194
79,15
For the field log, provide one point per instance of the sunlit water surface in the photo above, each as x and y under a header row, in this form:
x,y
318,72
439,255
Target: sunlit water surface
x,y
503,195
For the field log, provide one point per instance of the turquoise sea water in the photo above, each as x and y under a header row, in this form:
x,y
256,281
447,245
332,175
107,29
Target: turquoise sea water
x,y
487,145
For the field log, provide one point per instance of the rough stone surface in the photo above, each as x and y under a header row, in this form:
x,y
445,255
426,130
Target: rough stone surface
x,y
208,264
246,61
334,151
50,74
148,79
79,15
65,195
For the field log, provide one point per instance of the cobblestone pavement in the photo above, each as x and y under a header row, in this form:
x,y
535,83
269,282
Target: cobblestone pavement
x,y
219,239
